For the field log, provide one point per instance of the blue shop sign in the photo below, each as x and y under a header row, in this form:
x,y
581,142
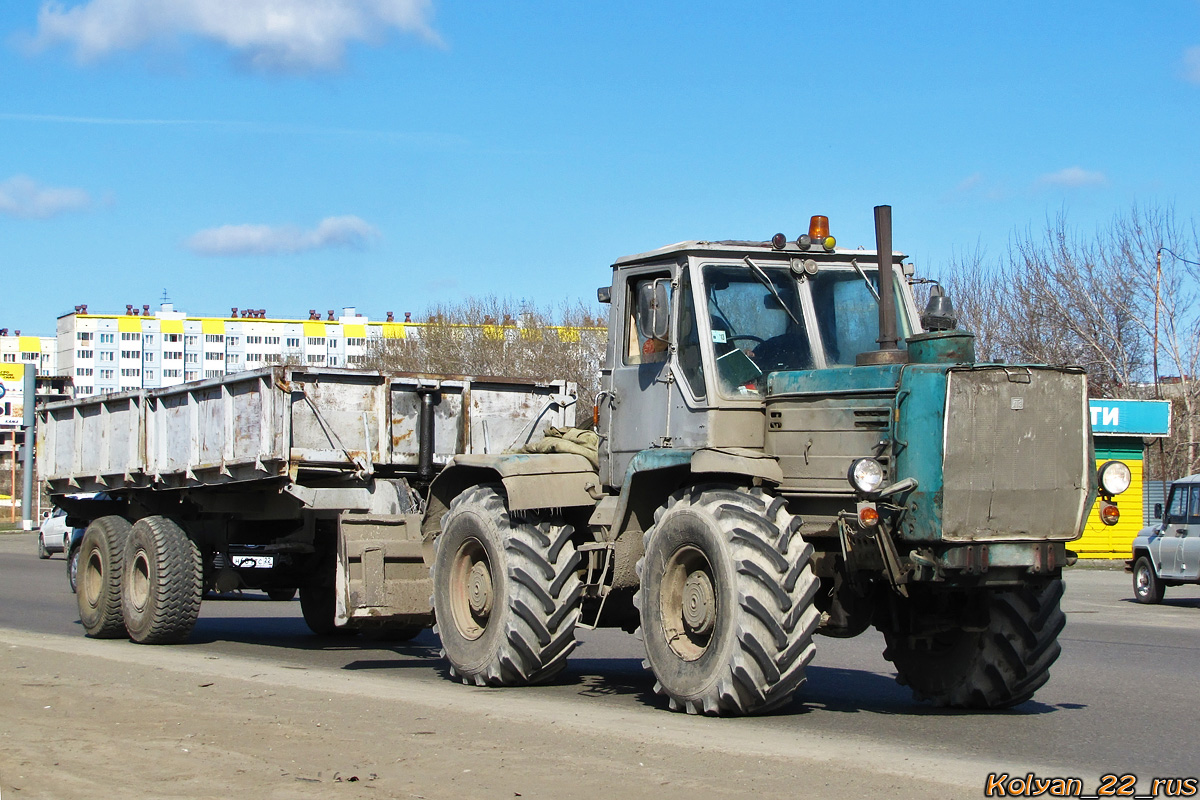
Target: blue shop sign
x,y
1131,417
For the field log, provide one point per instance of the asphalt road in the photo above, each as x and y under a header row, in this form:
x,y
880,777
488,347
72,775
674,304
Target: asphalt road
x,y
1121,699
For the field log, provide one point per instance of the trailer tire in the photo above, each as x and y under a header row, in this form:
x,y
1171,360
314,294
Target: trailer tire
x,y
98,595
163,582
726,601
997,667
506,591
318,604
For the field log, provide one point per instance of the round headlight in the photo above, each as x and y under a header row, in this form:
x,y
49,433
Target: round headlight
x,y
1114,477
866,474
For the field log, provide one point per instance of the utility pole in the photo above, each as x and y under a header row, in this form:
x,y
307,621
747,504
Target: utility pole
x,y
27,420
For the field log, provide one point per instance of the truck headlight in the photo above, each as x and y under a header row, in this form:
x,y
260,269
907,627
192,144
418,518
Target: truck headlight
x,y
866,475
1114,477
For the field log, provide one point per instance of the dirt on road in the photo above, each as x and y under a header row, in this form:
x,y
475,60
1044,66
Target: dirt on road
x,y
82,719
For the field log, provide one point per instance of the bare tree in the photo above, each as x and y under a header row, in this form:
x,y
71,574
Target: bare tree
x,y
489,336
1058,297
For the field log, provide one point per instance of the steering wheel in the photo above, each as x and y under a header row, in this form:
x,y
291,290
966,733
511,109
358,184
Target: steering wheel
x,y
749,336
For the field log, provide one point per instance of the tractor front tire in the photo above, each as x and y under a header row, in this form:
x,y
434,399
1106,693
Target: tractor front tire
x,y
993,666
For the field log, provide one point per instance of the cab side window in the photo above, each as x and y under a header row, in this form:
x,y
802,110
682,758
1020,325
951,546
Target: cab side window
x,y
1177,508
1194,510
640,346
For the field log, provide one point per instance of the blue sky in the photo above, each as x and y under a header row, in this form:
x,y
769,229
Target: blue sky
x,y
391,154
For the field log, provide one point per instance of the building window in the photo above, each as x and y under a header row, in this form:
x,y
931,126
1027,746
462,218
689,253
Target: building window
x,y
171,337
131,354
83,372
131,373
173,355
10,357
333,344
232,341
213,373
233,358
149,374
316,359
171,373
149,356
131,337
273,358
214,337
253,357
355,342
83,390
189,341
191,376
316,340
271,340
147,340
83,353
84,336
356,360
107,355
106,338
31,356
106,374
293,341
214,356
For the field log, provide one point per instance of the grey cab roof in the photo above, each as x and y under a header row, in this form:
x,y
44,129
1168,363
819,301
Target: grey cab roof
x,y
1189,479
737,249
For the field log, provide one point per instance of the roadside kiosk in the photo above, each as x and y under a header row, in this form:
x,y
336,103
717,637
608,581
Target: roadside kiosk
x,y
1122,430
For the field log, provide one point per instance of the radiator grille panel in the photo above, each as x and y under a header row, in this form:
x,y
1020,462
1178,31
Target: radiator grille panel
x,y
1016,458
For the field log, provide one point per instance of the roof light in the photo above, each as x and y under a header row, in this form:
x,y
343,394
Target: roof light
x,y
818,228
779,241
804,241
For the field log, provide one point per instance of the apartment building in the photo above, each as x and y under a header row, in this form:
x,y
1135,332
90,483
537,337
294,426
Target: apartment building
x,y
39,351
140,349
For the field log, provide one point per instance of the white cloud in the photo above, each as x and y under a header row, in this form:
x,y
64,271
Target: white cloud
x,y
1191,64
289,35
1072,178
21,196
250,240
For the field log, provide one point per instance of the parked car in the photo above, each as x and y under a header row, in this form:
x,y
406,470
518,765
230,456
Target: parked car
x,y
1167,553
53,534
74,540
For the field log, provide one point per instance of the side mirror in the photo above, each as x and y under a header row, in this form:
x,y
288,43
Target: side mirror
x,y
654,309
1158,510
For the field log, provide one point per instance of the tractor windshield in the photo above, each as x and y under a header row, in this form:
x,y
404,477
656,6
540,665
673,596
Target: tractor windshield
x,y
847,310
757,324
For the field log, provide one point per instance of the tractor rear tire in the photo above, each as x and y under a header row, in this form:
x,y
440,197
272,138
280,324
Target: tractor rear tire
x,y
162,584
726,601
506,591
98,596
997,667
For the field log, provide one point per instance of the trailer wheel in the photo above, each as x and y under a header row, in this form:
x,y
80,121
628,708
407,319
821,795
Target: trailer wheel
x,y
506,591
726,601
99,580
995,664
162,584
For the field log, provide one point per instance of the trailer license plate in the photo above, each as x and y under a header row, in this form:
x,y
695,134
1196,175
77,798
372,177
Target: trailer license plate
x,y
254,562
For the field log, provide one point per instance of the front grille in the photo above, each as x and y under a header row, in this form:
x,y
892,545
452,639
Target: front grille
x,y
1016,463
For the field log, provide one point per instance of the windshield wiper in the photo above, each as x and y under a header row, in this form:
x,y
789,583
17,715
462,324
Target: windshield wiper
x,y
765,281
870,286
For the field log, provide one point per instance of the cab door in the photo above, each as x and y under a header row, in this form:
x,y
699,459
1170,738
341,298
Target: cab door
x,y
633,412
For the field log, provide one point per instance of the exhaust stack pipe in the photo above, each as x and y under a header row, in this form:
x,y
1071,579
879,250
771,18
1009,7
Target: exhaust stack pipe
x,y
888,352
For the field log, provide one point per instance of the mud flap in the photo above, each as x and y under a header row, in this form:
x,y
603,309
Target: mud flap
x,y
382,577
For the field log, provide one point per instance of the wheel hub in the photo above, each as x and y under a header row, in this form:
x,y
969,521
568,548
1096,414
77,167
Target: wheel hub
x,y
479,589
699,603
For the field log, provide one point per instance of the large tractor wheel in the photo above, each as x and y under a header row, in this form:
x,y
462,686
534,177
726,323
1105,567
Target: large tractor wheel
x,y
985,666
99,580
726,601
162,584
506,592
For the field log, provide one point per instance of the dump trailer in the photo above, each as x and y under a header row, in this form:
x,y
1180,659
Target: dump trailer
x,y
280,479
787,446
